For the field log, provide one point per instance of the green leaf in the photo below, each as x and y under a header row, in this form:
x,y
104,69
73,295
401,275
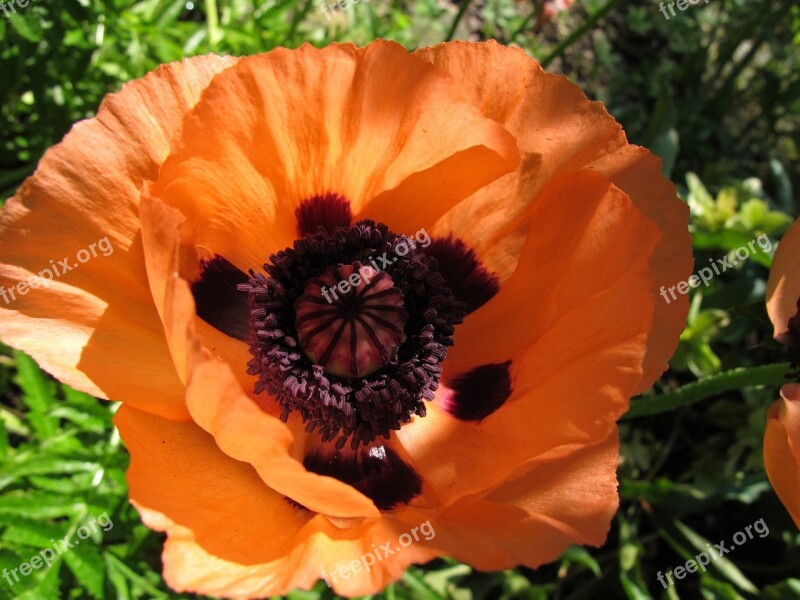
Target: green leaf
x,y
121,574
700,200
441,580
3,440
67,486
632,589
39,395
38,505
414,580
785,590
580,556
81,418
783,184
721,564
33,533
12,423
44,465
302,595
46,585
86,562
666,145
721,590
708,387
27,26
663,492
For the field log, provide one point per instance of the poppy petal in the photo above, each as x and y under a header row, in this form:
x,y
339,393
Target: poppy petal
x,y
167,260
529,506
569,369
245,432
782,449
324,552
783,287
580,254
178,470
559,130
210,505
244,429
569,499
358,122
637,172
95,327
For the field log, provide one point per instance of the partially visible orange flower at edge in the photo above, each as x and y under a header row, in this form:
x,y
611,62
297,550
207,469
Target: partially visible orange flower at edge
x,y
782,434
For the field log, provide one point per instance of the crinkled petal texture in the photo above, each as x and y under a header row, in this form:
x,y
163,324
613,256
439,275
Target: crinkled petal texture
x,y
782,448
387,131
782,434
559,131
556,232
93,324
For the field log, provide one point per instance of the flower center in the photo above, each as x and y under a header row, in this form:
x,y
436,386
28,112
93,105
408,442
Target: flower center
x,y
351,320
354,350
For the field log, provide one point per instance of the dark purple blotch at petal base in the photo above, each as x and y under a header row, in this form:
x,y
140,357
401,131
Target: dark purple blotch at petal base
x,y
328,211
217,300
470,281
376,472
479,392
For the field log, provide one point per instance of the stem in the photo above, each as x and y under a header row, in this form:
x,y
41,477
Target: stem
x,y
298,16
578,33
537,9
710,386
212,22
461,12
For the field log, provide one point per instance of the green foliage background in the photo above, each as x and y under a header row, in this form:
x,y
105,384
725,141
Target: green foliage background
x,y
714,90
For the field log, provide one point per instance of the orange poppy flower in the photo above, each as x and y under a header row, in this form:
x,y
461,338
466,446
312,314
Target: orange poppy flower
x,y
782,434
459,294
